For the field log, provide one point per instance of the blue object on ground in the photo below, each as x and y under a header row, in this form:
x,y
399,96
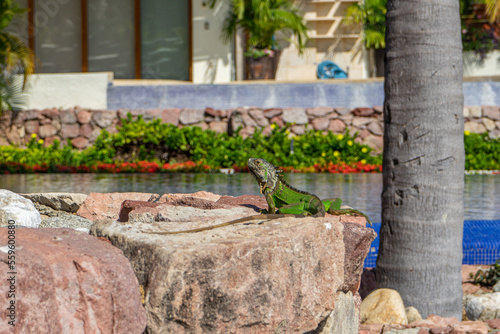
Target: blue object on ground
x,y
481,244
330,70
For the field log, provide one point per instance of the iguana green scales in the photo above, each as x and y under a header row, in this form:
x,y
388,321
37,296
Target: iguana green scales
x,y
289,201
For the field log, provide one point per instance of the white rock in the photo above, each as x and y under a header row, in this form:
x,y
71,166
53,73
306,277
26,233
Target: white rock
x,y
483,307
496,287
19,209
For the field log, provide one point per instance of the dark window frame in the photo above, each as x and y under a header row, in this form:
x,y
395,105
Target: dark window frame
x,y
137,35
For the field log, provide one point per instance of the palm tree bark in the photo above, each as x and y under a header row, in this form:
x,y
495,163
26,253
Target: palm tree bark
x,y
420,252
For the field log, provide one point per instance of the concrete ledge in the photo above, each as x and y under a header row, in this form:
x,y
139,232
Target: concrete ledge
x,y
273,94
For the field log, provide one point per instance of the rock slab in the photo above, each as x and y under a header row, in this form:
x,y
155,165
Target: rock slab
x,y
70,282
14,207
283,275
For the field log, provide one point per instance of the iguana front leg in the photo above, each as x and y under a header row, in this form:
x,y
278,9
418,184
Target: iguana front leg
x,y
332,206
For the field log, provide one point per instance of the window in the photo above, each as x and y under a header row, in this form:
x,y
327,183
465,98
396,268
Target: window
x,y
147,39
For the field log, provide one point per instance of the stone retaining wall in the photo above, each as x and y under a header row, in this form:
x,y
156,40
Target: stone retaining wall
x,y
83,126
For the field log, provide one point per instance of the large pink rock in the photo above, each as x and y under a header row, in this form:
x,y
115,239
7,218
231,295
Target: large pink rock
x,y
98,206
257,277
68,282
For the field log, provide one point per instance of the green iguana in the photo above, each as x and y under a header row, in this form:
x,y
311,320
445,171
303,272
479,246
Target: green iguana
x,y
289,201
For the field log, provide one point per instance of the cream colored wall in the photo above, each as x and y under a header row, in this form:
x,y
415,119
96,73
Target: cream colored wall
x,y
473,67
342,51
66,90
212,58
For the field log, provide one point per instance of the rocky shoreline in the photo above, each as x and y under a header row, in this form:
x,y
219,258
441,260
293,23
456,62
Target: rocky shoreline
x,y
120,218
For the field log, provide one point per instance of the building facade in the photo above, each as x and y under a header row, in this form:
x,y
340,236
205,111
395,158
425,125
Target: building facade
x,y
180,40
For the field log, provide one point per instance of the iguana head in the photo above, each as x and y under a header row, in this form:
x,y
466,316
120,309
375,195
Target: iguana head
x,y
265,173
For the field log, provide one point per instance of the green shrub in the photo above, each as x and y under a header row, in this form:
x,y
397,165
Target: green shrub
x,y
165,143
481,152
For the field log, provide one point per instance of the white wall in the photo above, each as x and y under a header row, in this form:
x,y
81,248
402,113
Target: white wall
x,y
65,90
490,66
212,58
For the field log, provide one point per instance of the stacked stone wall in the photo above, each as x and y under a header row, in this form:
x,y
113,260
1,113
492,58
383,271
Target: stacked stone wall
x,y
82,126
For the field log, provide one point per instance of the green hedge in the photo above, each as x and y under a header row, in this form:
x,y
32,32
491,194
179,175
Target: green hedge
x,y
164,143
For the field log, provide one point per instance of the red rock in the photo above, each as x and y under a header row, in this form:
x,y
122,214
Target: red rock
x,y
84,116
492,112
278,121
98,206
69,130
31,127
441,330
218,126
70,282
469,327
153,113
51,113
242,278
375,142
435,321
68,116
211,112
493,323
371,328
171,116
363,112
85,130
319,111
259,118
47,130
273,112
104,118
320,123
336,126
80,143
50,140
423,331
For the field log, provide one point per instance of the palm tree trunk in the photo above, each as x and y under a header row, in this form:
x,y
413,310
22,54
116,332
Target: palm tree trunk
x,y
422,201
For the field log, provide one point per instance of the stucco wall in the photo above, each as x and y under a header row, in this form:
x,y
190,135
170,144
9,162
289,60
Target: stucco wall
x,y
212,58
65,90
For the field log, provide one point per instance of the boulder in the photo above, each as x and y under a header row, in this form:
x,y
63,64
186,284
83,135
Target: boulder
x,y
98,206
483,307
191,116
70,282
69,202
259,118
295,115
412,314
266,276
383,306
104,118
14,207
496,287
319,111
171,116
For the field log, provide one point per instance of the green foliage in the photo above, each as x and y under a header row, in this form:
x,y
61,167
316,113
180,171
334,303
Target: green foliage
x,y
488,277
262,20
479,33
481,152
371,13
155,141
15,58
